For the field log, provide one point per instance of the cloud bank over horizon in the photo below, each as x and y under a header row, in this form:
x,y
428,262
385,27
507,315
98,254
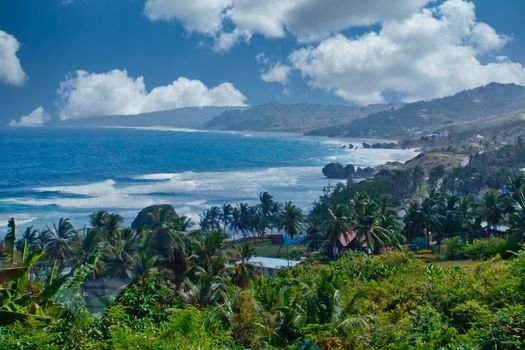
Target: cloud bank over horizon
x,y
115,93
11,71
38,117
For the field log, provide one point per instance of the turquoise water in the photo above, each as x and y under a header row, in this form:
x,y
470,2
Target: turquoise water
x,y
47,173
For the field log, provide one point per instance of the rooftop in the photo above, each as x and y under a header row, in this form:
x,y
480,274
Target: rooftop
x,y
272,263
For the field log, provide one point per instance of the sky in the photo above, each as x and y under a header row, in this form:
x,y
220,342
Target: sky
x,y
79,58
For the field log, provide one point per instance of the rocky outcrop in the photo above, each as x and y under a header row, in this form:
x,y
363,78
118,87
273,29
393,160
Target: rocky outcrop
x,y
145,219
338,171
382,145
364,172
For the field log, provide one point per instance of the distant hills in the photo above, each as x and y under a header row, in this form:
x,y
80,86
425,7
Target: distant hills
x,y
302,117
180,118
494,108
491,106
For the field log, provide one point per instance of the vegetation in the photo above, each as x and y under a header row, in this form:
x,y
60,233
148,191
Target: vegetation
x,y
273,116
491,106
365,280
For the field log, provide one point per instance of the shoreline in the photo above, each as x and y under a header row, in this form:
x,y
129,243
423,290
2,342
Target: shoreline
x,y
344,140
292,182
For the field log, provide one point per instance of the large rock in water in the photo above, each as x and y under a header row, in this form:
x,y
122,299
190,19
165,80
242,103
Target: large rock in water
x,y
144,218
337,171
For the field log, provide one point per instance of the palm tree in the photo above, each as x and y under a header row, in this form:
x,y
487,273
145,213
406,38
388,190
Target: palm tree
x,y
337,225
30,237
214,218
265,204
259,223
226,215
10,239
492,210
59,245
139,264
97,219
245,218
291,221
205,245
314,233
274,211
372,229
243,271
517,217
171,246
181,223
423,219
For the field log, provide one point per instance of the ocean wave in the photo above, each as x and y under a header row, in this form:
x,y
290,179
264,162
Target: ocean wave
x,y
20,220
186,189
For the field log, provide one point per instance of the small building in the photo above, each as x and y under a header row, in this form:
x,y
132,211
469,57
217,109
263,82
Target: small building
x,y
499,228
268,266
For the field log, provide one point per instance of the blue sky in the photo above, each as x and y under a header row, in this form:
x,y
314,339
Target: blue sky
x,y
333,52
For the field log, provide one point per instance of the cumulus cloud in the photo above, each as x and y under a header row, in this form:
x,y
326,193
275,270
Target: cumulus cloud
x,y
433,53
38,117
10,69
115,93
277,73
308,20
204,16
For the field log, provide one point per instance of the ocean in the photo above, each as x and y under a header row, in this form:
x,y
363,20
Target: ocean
x,y
48,173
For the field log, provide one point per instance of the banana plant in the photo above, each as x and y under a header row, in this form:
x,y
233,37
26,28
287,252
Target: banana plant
x,y
17,303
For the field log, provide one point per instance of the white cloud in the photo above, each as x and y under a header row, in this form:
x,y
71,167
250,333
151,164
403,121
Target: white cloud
x,y
433,53
10,69
306,19
114,92
204,16
38,117
278,73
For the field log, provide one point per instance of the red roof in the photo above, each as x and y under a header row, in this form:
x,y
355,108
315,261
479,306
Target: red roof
x,y
345,240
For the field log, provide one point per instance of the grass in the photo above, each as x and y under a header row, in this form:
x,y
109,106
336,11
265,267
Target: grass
x,y
266,248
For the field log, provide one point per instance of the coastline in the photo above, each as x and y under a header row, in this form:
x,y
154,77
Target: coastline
x,y
189,189
343,140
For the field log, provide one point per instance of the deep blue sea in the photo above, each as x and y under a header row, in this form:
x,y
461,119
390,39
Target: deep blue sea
x,y
48,173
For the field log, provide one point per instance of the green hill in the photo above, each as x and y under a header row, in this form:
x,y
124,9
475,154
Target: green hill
x,y
487,106
302,117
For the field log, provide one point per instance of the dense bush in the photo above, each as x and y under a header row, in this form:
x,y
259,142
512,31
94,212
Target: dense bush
x,y
480,249
392,301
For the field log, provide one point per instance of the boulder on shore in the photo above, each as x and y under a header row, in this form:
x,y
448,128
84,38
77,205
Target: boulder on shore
x,y
338,171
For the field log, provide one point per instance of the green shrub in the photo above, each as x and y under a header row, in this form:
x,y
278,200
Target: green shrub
x,y
481,249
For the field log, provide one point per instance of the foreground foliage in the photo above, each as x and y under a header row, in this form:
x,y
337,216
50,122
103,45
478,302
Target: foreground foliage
x,y
390,301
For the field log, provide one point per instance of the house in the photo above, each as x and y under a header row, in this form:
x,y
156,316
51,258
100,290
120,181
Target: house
x,y
268,266
499,228
343,243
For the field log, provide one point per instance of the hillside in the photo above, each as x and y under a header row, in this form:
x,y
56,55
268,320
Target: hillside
x,y
302,117
180,118
487,106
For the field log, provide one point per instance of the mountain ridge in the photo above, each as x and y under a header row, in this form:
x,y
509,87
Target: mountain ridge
x,y
300,117
493,103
